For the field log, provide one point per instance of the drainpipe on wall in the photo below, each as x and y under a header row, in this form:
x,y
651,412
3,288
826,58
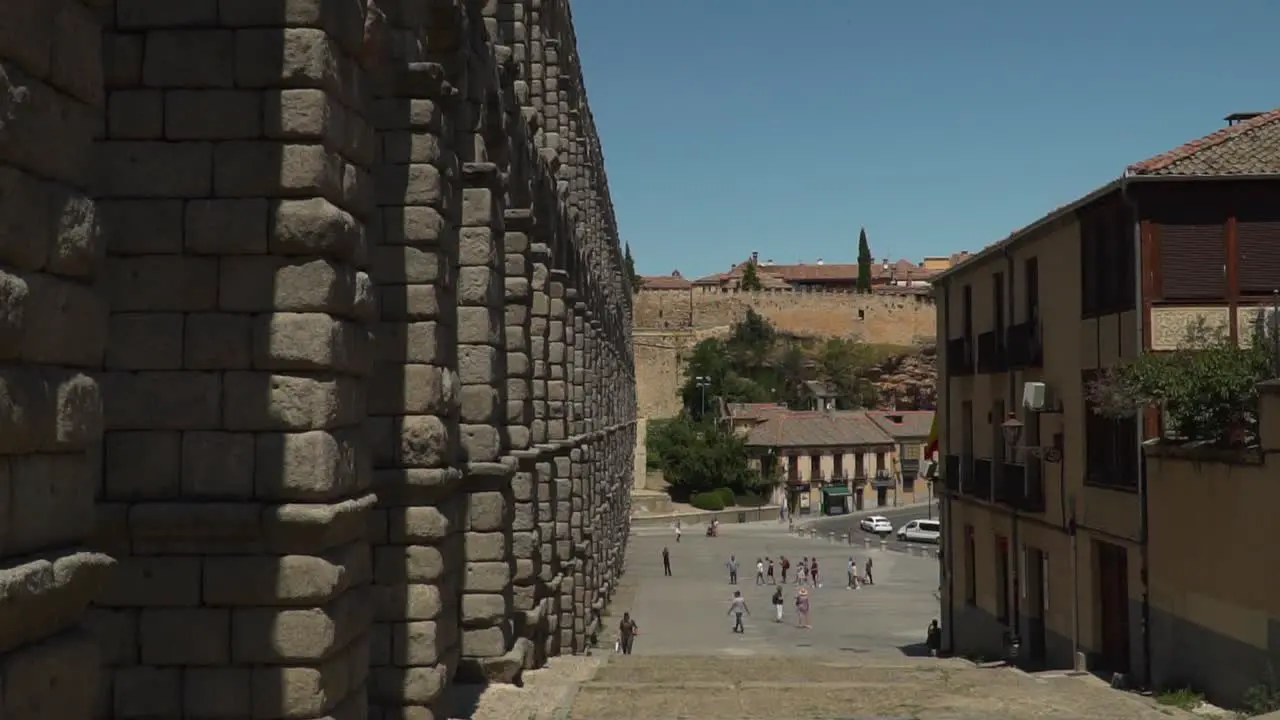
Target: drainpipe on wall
x,y
1143,514
1015,640
948,552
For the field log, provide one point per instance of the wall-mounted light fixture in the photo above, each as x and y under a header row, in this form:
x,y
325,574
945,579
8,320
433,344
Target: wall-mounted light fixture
x,y
1012,429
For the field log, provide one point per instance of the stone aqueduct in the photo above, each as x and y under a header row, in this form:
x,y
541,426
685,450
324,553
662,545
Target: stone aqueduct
x,y
316,384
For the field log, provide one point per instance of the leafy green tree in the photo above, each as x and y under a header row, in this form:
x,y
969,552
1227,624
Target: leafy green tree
x,y
710,374
843,364
697,457
864,262
752,341
1207,388
750,278
629,267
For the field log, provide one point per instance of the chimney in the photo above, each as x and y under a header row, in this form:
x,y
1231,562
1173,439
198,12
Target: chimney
x,y
755,258
1239,117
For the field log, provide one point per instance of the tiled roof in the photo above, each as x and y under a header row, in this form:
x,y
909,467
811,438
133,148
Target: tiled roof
x,y
1250,147
904,424
826,272
818,388
818,429
755,411
674,281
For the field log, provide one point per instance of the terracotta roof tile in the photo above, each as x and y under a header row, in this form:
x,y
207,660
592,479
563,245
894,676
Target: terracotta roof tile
x,y
674,281
755,411
904,424
827,272
818,429
1250,147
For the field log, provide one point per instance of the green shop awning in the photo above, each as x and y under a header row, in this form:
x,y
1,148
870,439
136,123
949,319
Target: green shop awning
x,y
836,491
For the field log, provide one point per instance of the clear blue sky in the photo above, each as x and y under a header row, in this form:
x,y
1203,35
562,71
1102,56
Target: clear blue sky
x,y
783,126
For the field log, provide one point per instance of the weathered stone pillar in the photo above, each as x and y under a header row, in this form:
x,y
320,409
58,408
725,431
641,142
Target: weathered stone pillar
x,y
414,401
53,333
234,171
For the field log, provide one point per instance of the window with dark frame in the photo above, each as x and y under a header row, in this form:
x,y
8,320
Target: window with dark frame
x,y
970,568
1111,447
1031,288
1108,261
997,304
966,294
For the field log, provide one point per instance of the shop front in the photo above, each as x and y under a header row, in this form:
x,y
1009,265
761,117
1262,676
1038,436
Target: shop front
x,y
836,499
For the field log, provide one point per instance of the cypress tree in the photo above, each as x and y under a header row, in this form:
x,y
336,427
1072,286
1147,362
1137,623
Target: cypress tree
x,y
864,262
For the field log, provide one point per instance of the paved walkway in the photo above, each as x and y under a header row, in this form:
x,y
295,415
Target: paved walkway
x,y
858,662
686,613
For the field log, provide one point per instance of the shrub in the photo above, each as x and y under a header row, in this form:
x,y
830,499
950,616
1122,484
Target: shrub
x,y
726,496
707,501
751,500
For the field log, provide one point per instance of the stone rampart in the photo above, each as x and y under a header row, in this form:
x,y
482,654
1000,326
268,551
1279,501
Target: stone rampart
x,y
669,323
896,318
316,380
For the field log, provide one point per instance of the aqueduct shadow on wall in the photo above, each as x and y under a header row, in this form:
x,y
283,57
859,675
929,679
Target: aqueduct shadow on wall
x,y
316,386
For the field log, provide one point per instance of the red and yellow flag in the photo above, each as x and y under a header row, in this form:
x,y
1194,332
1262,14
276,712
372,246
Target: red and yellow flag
x,y
933,437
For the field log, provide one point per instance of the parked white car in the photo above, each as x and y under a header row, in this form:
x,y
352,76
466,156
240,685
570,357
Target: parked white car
x,y
924,531
877,524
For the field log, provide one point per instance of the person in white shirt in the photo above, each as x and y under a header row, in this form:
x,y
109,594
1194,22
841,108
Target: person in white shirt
x,y
759,571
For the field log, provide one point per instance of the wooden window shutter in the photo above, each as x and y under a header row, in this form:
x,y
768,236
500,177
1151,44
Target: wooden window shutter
x,y
1088,267
1193,259
1259,244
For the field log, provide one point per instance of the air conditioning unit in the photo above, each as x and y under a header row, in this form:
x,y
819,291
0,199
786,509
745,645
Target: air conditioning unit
x,y
1035,396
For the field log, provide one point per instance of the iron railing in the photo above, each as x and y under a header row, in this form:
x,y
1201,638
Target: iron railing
x,y
991,353
980,483
960,357
1023,346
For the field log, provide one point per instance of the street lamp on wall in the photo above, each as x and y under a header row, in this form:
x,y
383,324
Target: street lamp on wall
x,y
1012,429
703,382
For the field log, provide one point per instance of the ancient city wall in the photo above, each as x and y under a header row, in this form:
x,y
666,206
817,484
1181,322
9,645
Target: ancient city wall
x,y
891,318
669,323
317,377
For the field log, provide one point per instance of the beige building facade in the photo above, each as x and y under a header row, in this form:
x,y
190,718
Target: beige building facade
x,y
834,462
1047,520
1215,605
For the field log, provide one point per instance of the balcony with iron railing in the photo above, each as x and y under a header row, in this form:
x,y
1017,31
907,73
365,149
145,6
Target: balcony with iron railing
x,y
960,357
991,353
979,485
951,474
1009,486
1024,347
1020,487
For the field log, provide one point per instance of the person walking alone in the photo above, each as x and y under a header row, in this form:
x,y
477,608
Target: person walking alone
x,y
870,580
627,631
666,562
759,571
738,606
733,570
802,608
777,604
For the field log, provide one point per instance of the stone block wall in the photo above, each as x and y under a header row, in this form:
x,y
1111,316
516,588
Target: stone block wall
x,y
316,386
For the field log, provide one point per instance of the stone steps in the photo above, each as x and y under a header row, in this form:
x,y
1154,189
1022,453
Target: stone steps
x,y
880,685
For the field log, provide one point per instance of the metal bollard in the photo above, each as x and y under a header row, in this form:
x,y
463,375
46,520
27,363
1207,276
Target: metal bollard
x,y
884,544
844,538
866,543
831,537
